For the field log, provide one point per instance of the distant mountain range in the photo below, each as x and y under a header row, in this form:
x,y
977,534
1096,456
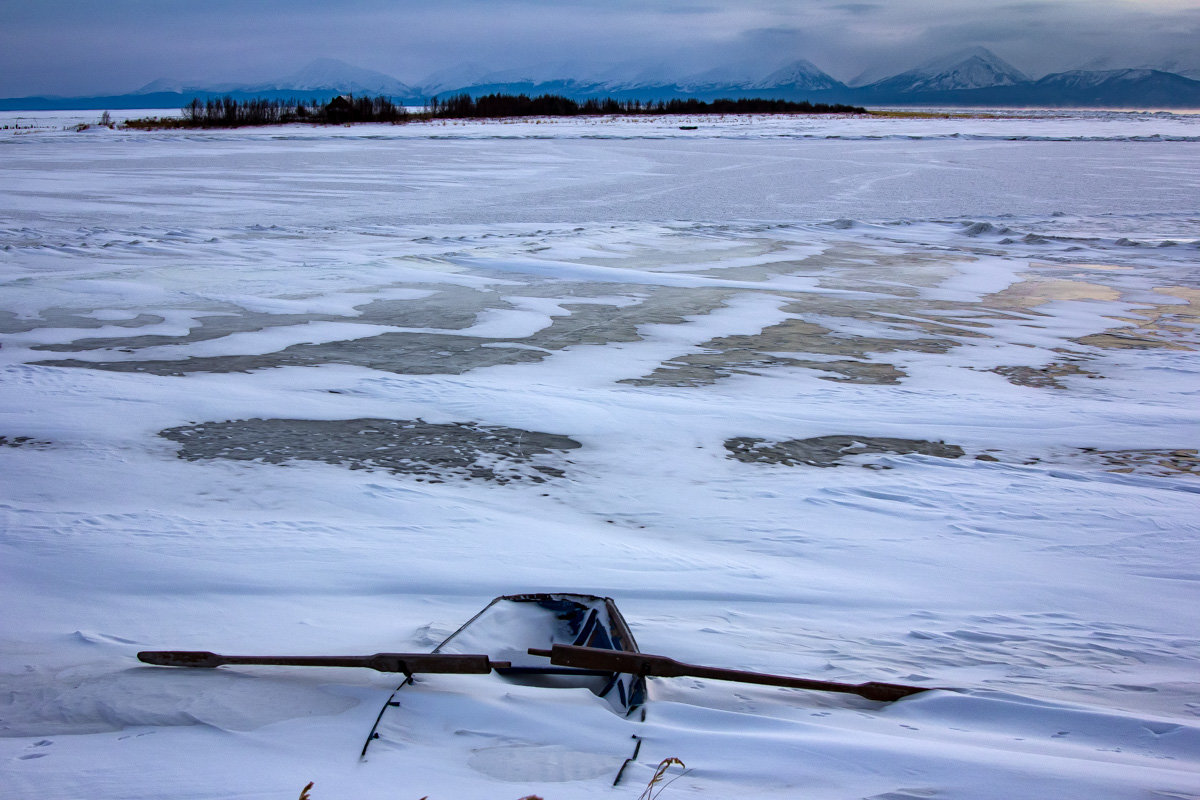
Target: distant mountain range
x,y
324,76
974,77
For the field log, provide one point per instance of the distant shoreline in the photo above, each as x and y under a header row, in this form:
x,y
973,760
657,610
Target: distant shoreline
x,y
170,119
228,112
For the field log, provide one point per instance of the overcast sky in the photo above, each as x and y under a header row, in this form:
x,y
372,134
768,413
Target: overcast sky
x,y
76,47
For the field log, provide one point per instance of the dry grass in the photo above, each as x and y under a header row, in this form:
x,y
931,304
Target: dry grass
x,y
658,783
893,114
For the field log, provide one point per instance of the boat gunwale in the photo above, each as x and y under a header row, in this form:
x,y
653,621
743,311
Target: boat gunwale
x,y
618,630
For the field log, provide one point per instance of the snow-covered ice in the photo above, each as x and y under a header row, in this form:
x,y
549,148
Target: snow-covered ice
x,y
910,400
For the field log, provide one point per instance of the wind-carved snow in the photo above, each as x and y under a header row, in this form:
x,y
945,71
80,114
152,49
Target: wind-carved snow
x,y
914,403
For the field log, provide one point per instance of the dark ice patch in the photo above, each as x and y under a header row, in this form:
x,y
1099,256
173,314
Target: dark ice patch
x,y
21,441
1042,377
71,318
419,353
829,451
1158,462
1128,339
705,368
774,345
459,450
403,353
452,307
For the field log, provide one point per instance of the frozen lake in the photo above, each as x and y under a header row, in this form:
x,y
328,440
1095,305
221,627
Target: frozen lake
x,y
910,400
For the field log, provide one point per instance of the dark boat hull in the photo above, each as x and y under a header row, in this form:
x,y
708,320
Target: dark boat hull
x,y
506,629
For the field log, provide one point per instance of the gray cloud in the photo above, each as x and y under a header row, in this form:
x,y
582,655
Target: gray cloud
x,y
858,8
68,47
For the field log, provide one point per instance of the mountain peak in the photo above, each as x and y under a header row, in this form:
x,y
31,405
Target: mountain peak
x,y
330,74
162,85
455,77
1187,65
972,68
956,58
800,74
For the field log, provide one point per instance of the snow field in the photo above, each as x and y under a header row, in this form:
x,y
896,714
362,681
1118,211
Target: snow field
x,y
560,285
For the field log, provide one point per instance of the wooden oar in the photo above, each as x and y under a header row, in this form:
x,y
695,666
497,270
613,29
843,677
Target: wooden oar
x,y
662,667
408,663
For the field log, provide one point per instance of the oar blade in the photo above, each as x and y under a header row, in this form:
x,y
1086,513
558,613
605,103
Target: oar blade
x,y
887,692
180,658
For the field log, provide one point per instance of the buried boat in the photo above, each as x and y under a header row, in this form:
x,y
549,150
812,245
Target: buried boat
x,y
520,714
511,626
520,680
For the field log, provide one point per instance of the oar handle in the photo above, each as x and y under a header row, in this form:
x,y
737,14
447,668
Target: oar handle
x,y
662,667
408,663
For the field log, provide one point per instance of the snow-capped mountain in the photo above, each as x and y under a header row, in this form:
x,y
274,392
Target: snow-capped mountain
x,y
1090,79
721,76
329,74
975,68
1130,88
564,78
799,74
163,85
1185,64
732,79
455,77
173,85
632,75
322,76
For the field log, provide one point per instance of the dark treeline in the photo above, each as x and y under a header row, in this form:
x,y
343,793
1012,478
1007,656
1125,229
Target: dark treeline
x,y
549,105
227,112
